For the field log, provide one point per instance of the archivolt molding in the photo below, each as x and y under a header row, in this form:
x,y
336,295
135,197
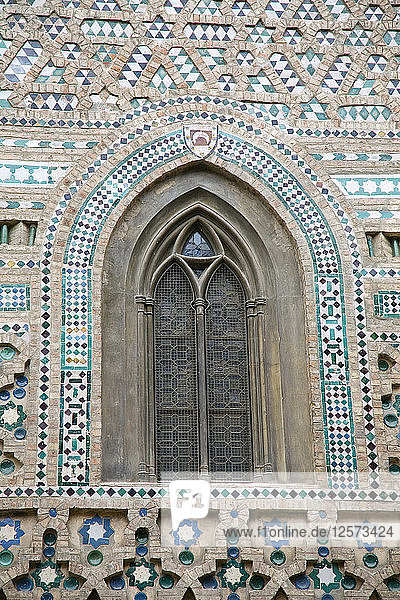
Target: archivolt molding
x,y
252,178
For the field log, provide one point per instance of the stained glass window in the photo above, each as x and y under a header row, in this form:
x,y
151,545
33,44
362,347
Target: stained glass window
x,y
176,406
197,245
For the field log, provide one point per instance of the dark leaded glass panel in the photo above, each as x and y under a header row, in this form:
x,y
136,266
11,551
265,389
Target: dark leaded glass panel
x,y
197,245
227,375
175,374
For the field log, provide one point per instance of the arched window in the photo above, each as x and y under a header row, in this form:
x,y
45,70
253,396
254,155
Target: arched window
x,y
204,364
202,396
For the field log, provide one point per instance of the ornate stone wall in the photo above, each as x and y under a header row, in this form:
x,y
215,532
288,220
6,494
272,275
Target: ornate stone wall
x,y
99,101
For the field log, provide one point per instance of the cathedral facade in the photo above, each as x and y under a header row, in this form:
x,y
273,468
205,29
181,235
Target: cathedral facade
x,y
200,282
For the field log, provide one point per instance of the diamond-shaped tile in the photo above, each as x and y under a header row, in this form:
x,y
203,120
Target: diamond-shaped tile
x,y
260,83
313,110
213,57
259,34
162,81
135,66
111,29
25,58
336,74
310,60
51,74
186,67
362,86
285,71
217,33
362,114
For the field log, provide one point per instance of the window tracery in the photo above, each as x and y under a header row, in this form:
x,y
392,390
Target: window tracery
x,y
202,422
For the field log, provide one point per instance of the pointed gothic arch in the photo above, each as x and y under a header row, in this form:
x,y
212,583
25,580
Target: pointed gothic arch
x,y
261,254
189,595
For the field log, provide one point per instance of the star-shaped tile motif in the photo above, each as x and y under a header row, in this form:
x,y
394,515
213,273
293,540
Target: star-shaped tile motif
x,y
47,575
142,574
233,575
187,533
326,576
274,526
96,531
10,533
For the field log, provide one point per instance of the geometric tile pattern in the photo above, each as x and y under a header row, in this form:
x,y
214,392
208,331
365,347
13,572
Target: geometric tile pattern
x,y
376,63
307,11
387,304
78,258
374,113
10,533
313,110
48,101
213,56
218,23
365,186
259,34
162,81
96,532
275,9
31,174
339,9
217,33
23,61
362,86
336,74
208,7
15,297
285,71
54,25
4,45
135,66
310,61
51,74
359,37
260,83
70,51
111,29
186,67
159,29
